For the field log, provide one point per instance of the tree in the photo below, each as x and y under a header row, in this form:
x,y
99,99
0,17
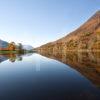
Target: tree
x,y
12,46
20,47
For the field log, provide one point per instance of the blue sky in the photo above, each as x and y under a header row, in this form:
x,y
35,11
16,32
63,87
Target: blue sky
x,y
37,22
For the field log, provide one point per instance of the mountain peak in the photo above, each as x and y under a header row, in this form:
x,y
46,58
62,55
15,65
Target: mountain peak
x,y
98,12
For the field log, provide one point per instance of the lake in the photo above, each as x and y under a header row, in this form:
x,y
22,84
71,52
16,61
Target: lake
x,y
49,77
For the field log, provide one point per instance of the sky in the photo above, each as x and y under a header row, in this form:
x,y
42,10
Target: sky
x,y
36,22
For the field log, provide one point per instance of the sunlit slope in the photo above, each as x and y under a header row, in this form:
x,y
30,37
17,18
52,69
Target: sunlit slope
x,y
86,37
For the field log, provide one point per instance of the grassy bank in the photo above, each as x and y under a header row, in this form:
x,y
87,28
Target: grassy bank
x,y
7,51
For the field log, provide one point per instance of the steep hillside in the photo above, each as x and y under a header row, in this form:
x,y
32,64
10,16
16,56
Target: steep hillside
x,y
86,37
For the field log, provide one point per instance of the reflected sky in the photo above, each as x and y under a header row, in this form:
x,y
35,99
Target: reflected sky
x,y
41,78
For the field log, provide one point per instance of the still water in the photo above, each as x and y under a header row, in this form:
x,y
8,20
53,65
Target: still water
x,y
36,77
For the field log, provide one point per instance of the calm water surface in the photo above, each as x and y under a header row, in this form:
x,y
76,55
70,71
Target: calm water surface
x,y
35,77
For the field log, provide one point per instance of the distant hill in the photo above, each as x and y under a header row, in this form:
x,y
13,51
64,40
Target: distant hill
x,y
27,47
3,44
86,37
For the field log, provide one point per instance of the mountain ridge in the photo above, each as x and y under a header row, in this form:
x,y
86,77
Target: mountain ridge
x,y
79,39
95,16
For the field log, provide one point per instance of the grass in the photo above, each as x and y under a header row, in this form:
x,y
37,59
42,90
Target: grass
x,y
14,51
7,51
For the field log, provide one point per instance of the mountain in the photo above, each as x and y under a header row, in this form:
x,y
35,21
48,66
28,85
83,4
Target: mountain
x,y
3,44
86,37
27,47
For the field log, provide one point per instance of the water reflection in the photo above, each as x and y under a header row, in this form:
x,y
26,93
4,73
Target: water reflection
x,y
54,80
85,62
13,57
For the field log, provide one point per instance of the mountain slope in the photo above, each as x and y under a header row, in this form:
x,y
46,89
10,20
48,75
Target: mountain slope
x,y
3,44
86,37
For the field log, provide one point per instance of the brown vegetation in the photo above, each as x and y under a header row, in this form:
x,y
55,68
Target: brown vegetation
x,y
86,37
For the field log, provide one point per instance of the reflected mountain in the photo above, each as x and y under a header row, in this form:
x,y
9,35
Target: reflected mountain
x,y
12,57
87,63
3,58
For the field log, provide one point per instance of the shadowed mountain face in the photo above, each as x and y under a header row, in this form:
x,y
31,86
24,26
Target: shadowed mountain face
x,y
87,63
3,44
86,37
